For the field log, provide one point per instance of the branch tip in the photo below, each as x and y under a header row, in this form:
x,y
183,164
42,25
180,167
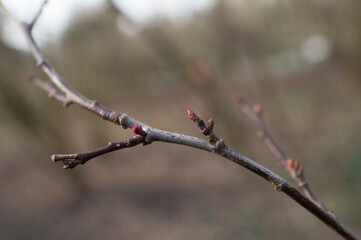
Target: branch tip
x,y
29,26
191,114
63,157
258,109
295,168
291,163
69,160
206,129
52,94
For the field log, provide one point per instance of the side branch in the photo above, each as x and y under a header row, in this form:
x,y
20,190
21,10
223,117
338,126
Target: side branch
x,y
292,166
71,95
72,160
47,87
31,25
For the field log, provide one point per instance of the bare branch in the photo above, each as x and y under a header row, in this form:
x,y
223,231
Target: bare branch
x,y
206,130
255,114
47,87
31,25
72,160
147,135
43,63
292,166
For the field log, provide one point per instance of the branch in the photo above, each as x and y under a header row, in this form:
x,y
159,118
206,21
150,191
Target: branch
x,y
48,87
206,130
71,95
72,160
149,135
31,25
292,166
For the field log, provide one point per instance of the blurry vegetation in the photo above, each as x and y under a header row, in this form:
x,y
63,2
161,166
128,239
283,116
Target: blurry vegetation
x,y
238,39
301,59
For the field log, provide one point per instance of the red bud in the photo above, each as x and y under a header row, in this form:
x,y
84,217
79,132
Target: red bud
x,y
137,129
191,114
295,164
257,109
289,162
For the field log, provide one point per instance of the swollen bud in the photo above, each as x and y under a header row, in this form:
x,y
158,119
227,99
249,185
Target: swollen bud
x,y
289,162
191,114
294,164
137,129
210,123
257,109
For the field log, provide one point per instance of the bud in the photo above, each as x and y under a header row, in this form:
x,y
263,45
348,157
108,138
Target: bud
x,y
191,114
137,129
52,94
289,163
296,165
257,109
210,123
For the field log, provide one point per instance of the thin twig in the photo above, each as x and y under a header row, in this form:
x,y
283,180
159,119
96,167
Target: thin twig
x,y
292,166
150,135
31,25
72,160
206,130
47,87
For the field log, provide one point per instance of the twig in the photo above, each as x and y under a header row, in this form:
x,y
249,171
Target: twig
x,y
47,87
206,130
72,160
31,25
149,135
292,166
72,96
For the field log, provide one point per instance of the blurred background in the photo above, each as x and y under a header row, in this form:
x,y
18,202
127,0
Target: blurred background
x,y
152,60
